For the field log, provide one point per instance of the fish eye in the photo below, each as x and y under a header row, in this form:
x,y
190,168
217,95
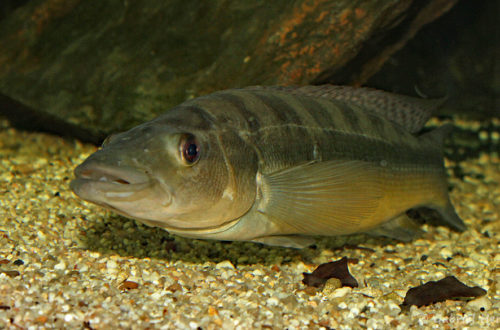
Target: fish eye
x,y
189,149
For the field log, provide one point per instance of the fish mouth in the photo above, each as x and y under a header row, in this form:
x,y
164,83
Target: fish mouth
x,y
100,183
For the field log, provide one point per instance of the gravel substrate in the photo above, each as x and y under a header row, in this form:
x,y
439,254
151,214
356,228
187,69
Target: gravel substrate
x,y
65,263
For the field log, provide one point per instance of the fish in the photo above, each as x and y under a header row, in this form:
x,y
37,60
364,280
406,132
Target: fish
x,y
277,165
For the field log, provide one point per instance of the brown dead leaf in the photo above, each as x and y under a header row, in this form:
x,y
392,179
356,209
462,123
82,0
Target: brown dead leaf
x,y
436,291
335,269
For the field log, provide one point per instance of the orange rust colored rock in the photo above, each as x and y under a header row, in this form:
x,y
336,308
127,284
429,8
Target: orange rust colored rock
x,y
279,43
212,311
129,285
41,319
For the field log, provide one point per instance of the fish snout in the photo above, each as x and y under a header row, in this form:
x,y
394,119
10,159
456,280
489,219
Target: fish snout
x,y
101,183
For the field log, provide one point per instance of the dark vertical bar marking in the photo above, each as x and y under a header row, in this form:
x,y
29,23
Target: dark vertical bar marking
x,y
282,111
323,117
350,118
251,116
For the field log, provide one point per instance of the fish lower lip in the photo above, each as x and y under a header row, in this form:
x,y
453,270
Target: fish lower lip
x,y
95,190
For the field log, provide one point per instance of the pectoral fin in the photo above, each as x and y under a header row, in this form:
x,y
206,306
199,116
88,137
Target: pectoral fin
x,y
323,198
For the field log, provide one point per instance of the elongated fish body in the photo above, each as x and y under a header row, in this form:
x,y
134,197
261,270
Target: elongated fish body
x,y
276,165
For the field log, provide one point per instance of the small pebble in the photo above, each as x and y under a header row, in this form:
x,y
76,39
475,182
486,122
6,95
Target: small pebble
x,y
60,266
129,285
10,273
41,319
445,252
341,292
224,264
111,264
331,285
174,287
273,301
480,304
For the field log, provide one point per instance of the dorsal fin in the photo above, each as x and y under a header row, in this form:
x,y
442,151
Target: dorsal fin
x,y
436,136
410,112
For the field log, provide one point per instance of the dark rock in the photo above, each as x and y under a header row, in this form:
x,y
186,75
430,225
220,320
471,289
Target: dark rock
x,y
8,6
458,55
110,65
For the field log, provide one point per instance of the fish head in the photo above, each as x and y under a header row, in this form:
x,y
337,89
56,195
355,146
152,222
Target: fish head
x,y
180,176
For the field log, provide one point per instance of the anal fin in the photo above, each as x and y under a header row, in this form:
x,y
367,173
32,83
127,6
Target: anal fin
x,y
450,217
441,215
401,228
